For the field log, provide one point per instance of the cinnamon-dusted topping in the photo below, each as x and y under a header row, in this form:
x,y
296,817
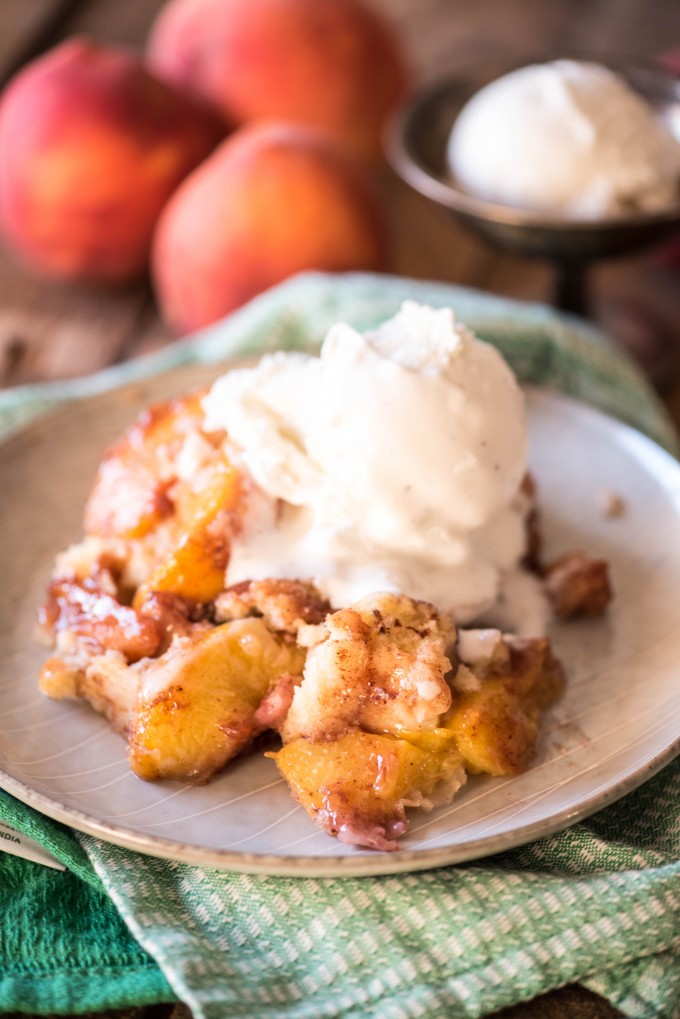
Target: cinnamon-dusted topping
x,y
285,605
578,585
175,616
381,667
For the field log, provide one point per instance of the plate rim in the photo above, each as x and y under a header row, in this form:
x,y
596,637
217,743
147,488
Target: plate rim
x,y
364,865
399,861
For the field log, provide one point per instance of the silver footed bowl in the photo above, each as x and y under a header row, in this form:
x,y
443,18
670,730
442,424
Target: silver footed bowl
x,y
416,149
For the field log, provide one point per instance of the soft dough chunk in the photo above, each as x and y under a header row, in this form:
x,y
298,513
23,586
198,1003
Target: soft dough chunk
x,y
380,666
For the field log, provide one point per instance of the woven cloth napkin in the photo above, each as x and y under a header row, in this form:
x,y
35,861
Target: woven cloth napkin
x,y
597,904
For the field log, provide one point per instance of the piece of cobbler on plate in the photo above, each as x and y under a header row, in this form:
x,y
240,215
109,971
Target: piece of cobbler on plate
x,y
342,551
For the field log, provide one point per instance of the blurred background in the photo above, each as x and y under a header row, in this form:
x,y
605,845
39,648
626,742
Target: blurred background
x,y
51,329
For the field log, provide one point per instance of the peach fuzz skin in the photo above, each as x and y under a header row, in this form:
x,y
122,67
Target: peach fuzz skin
x,y
273,200
91,148
331,64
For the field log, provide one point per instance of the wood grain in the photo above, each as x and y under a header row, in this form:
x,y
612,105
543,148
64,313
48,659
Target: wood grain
x,y
50,331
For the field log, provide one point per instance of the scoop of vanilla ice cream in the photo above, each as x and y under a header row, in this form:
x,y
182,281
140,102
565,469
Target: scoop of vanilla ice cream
x,y
391,462
565,138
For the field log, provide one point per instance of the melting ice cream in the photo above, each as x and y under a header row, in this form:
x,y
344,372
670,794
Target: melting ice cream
x,y
392,462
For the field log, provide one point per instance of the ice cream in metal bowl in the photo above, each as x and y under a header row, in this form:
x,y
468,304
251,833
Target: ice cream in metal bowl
x,y
448,129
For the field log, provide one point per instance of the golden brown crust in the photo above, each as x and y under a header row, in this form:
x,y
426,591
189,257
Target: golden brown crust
x,y
381,666
578,585
285,605
175,616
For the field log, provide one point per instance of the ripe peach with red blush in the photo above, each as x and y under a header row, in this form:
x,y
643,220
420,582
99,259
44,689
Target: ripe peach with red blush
x,y
271,201
91,147
331,64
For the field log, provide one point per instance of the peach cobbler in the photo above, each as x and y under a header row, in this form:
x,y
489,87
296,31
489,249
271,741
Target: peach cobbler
x,y
341,550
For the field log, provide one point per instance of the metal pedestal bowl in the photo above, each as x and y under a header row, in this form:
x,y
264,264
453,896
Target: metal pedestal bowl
x,y
416,148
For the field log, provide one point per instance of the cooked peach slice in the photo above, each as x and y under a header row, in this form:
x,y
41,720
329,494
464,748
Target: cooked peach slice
x,y
495,720
194,568
196,703
130,494
494,730
84,616
357,787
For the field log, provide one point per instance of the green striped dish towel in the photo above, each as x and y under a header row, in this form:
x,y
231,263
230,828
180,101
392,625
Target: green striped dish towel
x,y
598,903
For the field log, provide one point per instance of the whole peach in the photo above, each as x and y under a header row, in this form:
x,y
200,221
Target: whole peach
x,y
331,64
91,148
272,200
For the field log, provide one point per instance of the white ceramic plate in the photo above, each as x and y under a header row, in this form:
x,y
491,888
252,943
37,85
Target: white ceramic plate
x,y
618,723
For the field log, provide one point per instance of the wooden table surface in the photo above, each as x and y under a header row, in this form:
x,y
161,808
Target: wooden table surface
x,y
52,332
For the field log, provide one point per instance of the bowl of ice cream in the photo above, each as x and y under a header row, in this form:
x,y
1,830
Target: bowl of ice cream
x,y
571,161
